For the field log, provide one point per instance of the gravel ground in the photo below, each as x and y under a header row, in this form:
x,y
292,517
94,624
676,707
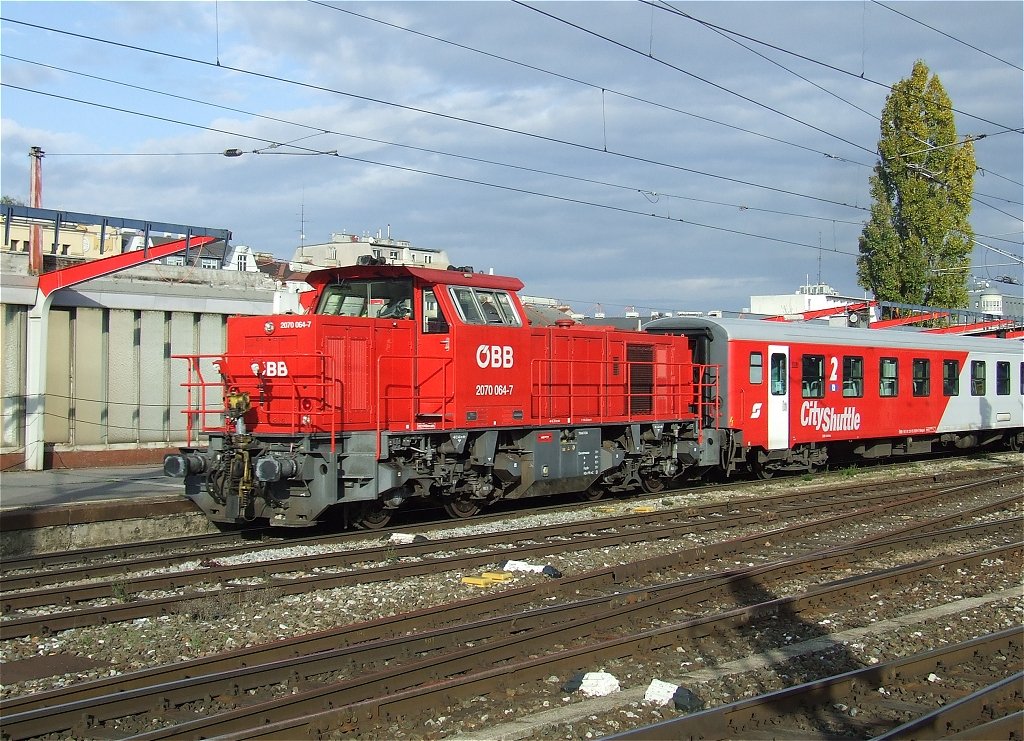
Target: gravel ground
x,y
217,624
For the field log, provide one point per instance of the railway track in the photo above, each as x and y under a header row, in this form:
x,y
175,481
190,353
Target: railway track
x,y
895,700
299,574
442,669
453,671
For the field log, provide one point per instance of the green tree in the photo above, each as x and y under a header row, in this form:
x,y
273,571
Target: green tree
x,y
916,245
11,201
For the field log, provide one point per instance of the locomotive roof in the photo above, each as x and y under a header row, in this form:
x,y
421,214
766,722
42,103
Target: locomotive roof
x,y
320,278
781,332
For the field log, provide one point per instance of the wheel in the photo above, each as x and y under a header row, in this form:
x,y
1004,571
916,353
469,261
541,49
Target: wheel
x,y
763,472
460,508
371,516
593,494
652,484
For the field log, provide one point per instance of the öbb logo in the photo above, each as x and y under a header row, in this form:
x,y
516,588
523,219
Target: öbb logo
x,y
494,356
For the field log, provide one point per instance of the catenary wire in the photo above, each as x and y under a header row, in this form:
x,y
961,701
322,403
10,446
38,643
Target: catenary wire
x,y
321,131
768,59
495,127
591,85
688,16
564,199
949,36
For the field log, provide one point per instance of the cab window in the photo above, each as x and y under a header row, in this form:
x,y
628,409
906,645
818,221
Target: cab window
x,y
368,298
484,306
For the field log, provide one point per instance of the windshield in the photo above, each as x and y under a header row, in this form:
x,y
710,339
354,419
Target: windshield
x,y
369,298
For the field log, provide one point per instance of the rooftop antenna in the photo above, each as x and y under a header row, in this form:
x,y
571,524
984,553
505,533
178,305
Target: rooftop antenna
x,y
819,258
302,220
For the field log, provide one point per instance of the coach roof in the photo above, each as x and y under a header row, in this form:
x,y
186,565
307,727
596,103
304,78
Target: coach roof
x,y
797,332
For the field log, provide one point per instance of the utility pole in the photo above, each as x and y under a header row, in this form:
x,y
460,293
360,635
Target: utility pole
x,y
35,197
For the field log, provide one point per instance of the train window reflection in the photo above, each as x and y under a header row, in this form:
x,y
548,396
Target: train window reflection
x,y
756,367
977,378
778,374
922,377
888,377
853,376
950,377
813,377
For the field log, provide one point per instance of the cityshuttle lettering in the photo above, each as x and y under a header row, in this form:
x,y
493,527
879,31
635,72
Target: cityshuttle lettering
x,y
828,419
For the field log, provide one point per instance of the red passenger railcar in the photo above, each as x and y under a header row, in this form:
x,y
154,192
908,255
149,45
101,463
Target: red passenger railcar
x,y
406,382
796,394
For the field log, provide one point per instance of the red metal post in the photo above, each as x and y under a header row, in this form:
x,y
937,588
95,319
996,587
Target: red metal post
x,y
35,197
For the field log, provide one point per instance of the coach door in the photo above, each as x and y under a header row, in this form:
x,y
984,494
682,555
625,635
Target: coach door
x,y
778,397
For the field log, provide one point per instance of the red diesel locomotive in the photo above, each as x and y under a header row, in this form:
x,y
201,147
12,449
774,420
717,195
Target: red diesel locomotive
x,y
403,383
407,382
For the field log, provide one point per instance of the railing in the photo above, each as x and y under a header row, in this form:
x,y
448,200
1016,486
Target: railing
x,y
385,396
306,400
582,389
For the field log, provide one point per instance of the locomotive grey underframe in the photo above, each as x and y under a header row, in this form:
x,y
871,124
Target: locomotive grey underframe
x,y
509,463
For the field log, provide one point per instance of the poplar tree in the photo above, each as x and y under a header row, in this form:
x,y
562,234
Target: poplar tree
x,y
916,245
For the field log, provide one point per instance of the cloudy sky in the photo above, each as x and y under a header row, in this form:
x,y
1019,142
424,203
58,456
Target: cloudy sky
x,y
659,155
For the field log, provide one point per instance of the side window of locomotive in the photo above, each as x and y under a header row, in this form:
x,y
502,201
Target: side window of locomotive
x,y
433,318
778,374
490,308
951,378
1003,378
482,306
888,377
466,305
922,380
507,309
813,377
977,378
1022,379
853,376
756,368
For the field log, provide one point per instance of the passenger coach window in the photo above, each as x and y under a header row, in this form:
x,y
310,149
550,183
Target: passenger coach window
x,y
853,376
1003,378
888,377
813,377
778,377
977,378
922,377
951,378
756,367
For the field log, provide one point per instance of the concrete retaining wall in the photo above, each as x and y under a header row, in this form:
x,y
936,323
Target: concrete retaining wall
x,y
113,389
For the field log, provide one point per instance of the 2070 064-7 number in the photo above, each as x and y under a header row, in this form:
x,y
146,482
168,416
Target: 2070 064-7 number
x,y
494,389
